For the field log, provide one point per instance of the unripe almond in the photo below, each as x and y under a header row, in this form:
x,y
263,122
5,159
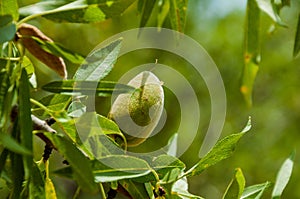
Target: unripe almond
x,y
138,113
25,32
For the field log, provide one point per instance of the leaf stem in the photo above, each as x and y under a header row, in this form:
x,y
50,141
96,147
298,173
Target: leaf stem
x,y
102,190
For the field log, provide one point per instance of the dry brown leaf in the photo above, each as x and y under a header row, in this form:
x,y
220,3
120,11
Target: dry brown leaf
x,y
25,31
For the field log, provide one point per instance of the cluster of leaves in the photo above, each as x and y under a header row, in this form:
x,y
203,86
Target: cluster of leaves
x,y
106,170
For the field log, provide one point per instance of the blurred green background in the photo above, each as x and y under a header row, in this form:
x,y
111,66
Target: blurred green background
x,y
219,27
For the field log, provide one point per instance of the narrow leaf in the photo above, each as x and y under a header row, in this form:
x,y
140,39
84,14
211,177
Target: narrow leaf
x,y
251,50
59,51
73,87
163,11
17,176
37,183
77,161
270,9
255,190
146,10
236,186
99,63
11,144
283,177
118,167
79,11
25,120
222,150
297,39
177,14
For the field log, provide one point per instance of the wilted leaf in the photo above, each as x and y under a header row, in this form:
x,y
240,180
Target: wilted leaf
x,y
236,186
25,34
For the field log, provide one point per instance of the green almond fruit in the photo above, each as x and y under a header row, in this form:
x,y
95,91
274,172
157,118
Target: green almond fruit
x,y
138,113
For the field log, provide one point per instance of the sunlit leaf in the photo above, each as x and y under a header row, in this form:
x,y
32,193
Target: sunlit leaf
x,y
9,8
76,109
222,150
251,50
78,11
74,87
49,189
283,177
99,63
177,14
255,191
7,28
297,39
80,165
270,9
172,145
118,167
180,190
236,186
25,120
146,8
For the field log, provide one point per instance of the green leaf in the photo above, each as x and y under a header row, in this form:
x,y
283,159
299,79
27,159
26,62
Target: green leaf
x,y
76,109
79,163
180,190
99,63
146,8
118,167
4,190
92,130
168,169
163,11
236,186
25,120
283,177
136,190
297,39
79,11
255,191
251,50
59,51
74,87
172,145
7,28
17,176
37,183
9,8
11,144
4,84
177,14
270,9
222,150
